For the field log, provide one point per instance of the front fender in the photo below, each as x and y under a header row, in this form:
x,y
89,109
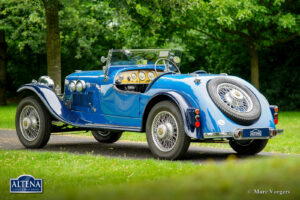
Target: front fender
x,y
186,109
53,104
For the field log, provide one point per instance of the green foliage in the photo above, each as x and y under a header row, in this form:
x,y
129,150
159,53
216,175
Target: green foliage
x,y
88,29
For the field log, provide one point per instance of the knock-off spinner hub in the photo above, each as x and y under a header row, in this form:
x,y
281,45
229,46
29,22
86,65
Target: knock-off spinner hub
x,y
236,94
26,123
234,97
29,122
165,130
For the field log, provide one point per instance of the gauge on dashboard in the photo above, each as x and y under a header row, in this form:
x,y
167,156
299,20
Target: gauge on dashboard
x,y
151,76
142,76
133,76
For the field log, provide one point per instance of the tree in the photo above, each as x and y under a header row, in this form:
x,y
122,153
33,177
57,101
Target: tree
x,y
53,40
255,24
22,37
3,47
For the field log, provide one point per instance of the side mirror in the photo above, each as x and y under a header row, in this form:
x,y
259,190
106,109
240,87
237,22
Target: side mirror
x,y
103,59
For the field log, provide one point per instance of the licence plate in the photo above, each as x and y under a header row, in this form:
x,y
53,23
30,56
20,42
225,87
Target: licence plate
x,y
255,132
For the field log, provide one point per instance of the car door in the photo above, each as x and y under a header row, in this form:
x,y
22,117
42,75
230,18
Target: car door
x,y
117,102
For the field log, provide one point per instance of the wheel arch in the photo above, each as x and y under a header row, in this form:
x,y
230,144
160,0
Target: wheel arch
x,y
26,92
180,101
51,101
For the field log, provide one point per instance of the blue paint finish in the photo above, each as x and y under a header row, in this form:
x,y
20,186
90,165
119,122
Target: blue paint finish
x,y
199,98
55,106
80,119
103,106
183,104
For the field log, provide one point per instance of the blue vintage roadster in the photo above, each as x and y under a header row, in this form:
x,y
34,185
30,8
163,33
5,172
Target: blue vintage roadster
x,y
144,91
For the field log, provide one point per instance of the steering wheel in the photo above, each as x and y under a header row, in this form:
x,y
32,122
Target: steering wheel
x,y
166,67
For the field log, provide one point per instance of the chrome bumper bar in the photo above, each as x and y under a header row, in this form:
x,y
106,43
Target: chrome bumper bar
x,y
237,134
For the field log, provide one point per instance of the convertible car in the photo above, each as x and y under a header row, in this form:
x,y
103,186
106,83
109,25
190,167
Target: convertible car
x,y
144,91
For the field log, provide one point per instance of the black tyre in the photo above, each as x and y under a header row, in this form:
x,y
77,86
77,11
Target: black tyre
x,y
33,123
235,100
106,136
165,131
248,147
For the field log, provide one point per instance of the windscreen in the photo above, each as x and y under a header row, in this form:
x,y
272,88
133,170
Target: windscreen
x,y
143,57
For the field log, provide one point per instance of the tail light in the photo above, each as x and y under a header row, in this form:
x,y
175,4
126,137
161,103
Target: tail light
x,y
197,118
275,114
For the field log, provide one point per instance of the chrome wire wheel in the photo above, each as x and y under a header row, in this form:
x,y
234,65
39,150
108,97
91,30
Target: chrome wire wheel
x,y
164,131
29,123
234,97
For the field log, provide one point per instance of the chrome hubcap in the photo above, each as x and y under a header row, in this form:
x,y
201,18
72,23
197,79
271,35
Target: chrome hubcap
x,y
235,97
29,123
164,131
26,123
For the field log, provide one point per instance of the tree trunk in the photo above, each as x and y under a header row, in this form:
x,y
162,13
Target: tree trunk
x,y
53,41
254,67
3,47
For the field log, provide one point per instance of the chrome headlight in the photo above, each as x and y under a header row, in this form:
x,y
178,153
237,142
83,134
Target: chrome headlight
x,y
46,80
67,82
72,86
80,86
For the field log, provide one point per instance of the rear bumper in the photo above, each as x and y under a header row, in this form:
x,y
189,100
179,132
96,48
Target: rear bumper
x,y
243,134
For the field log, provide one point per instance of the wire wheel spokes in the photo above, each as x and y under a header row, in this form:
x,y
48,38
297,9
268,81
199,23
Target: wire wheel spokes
x,y
234,97
164,131
29,123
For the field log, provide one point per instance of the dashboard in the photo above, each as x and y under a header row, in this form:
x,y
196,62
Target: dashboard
x,y
136,76
135,80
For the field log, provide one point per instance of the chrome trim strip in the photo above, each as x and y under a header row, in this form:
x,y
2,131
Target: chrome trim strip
x,y
218,135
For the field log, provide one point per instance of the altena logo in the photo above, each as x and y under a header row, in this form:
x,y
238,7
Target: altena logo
x,y
26,184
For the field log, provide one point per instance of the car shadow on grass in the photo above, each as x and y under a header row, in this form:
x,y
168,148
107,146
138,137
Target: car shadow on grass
x,y
120,149
133,150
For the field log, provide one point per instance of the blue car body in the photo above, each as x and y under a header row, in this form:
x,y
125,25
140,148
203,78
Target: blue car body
x,y
103,106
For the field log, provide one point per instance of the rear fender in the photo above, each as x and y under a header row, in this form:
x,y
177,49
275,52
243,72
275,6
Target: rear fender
x,y
185,107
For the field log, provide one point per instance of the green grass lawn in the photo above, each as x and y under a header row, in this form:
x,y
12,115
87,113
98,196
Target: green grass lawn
x,y
286,143
7,116
71,176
